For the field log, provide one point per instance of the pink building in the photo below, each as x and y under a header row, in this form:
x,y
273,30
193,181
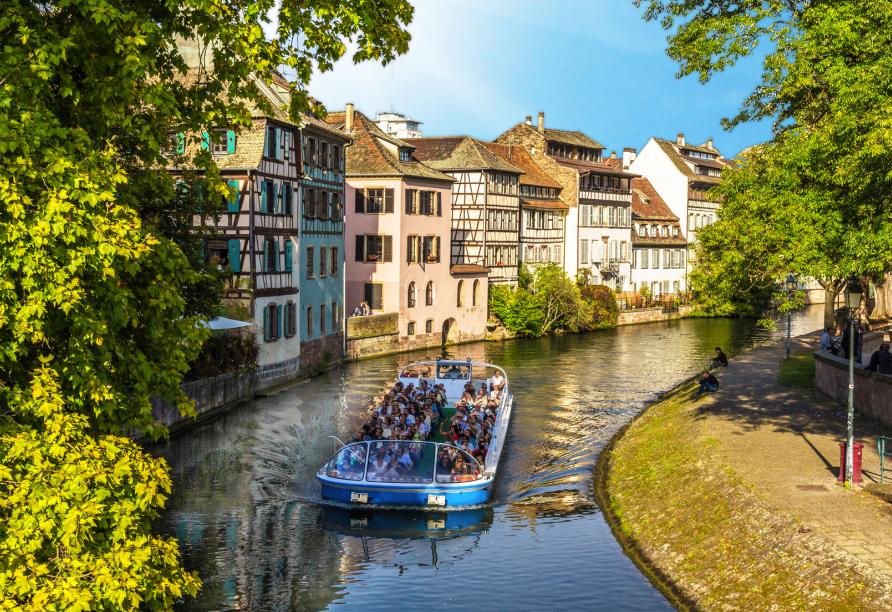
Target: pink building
x,y
398,220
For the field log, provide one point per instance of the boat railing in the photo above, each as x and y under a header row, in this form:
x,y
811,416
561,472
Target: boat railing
x,y
403,462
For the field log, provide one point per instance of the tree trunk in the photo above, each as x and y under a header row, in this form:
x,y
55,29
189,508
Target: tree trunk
x,y
881,309
864,305
831,291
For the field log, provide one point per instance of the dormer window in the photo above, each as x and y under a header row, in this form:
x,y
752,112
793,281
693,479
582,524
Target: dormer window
x,y
674,231
664,231
405,154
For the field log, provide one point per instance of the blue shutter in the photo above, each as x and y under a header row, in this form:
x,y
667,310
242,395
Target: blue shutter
x,y
205,141
263,262
235,255
274,249
279,322
276,151
277,197
232,205
263,196
288,248
286,317
181,143
230,141
266,324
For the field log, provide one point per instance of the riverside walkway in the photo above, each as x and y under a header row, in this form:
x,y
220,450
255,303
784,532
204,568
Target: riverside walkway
x,y
784,441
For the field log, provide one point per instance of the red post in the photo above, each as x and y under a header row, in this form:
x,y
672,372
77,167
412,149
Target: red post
x,y
856,462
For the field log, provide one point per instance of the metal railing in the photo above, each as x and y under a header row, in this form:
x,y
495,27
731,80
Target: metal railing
x,y
669,302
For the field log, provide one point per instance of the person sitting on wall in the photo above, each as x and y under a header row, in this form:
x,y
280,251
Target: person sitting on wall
x,y
708,383
720,358
827,339
881,360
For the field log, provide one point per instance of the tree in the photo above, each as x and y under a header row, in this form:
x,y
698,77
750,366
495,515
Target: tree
x,y
825,84
101,284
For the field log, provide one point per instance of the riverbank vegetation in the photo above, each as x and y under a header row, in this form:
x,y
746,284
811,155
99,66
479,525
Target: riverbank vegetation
x,y
696,522
814,200
103,279
546,301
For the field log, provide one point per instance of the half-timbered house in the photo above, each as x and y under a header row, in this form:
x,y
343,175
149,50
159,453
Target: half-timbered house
x,y
542,214
658,244
321,268
398,213
597,193
258,233
485,203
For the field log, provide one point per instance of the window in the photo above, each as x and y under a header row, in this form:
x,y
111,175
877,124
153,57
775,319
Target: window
x,y
374,201
322,319
644,258
267,197
583,251
337,210
323,257
474,289
287,198
410,295
334,261
413,249
286,141
556,258
311,157
429,294
323,154
309,321
335,160
410,328
374,295
272,322
218,142
429,326
290,319
335,317
270,255
461,287
623,251
374,248
272,142
431,249
405,154
411,202
655,258
311,263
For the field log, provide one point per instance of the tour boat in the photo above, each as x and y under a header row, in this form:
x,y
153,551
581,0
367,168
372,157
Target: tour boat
x,y
365,473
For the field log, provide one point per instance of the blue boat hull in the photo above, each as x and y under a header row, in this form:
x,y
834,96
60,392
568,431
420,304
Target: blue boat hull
x,y
472,495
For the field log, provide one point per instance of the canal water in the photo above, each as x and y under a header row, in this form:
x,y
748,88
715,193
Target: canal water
x,y
246,508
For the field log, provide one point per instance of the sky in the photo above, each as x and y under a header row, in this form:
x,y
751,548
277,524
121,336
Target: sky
x,y
478,67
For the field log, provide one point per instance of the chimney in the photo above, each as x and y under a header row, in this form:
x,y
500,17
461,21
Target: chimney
x,y
348,117
709,143
680,140
629,155
613,155
529,120
541,122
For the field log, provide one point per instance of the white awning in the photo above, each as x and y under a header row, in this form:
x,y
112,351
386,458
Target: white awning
x,y
221,323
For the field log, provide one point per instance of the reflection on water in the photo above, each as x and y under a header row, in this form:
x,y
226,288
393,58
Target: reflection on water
x,y
245,505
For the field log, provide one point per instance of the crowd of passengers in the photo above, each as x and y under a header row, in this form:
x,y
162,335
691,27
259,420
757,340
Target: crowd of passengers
x,y
410,413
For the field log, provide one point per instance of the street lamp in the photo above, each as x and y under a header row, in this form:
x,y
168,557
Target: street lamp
x,y
853,301
791,287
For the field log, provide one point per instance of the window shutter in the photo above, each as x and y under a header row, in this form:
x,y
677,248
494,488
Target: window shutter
x,y
235,255
288,250
181,143
275,141
266,324
439,204
286,199
388,248
360,248
232,204
410,201
286,315
360,200
205,141
388,200
278,322
437,247
230,141
409,252
263,196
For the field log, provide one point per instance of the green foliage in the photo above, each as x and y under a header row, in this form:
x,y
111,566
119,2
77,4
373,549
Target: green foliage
x,y
524,277
815,199
226,352
102,278
604,308
77,510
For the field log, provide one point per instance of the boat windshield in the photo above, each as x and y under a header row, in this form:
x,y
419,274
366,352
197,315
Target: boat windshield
x,y
453,371
348,463
455,465
401,461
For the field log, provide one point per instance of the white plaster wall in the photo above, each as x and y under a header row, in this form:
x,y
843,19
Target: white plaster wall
x,y
283,348
672,185
651,275
571,242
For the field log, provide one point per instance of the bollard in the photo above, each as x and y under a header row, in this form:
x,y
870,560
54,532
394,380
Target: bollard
x,y
856,463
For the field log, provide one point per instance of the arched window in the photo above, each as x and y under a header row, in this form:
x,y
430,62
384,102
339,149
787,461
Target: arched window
x,y
429,294
474,289
410,298
461,288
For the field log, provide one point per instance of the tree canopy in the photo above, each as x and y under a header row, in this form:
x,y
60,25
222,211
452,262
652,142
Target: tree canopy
x,y
101,278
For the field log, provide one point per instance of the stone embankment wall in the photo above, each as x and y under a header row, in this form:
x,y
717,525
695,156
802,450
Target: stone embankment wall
x,y
377,335
210,395
648,315
873,391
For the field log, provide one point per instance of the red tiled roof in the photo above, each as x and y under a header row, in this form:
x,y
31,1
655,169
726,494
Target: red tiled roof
x,y
647,202
468,269
543,204
516,155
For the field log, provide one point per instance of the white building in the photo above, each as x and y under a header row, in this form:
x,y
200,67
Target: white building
x,y
683,174
398,125
658,244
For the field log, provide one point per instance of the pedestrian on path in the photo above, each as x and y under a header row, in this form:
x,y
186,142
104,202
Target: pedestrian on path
x,y
720,358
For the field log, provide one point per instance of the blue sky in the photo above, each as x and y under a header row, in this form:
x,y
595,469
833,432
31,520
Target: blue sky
x,y
479,66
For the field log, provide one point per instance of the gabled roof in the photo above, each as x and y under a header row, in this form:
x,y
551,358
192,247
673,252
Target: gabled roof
x,y
518,156
369,157
459,153
571,137
602,167
543,204
647,204
673,152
